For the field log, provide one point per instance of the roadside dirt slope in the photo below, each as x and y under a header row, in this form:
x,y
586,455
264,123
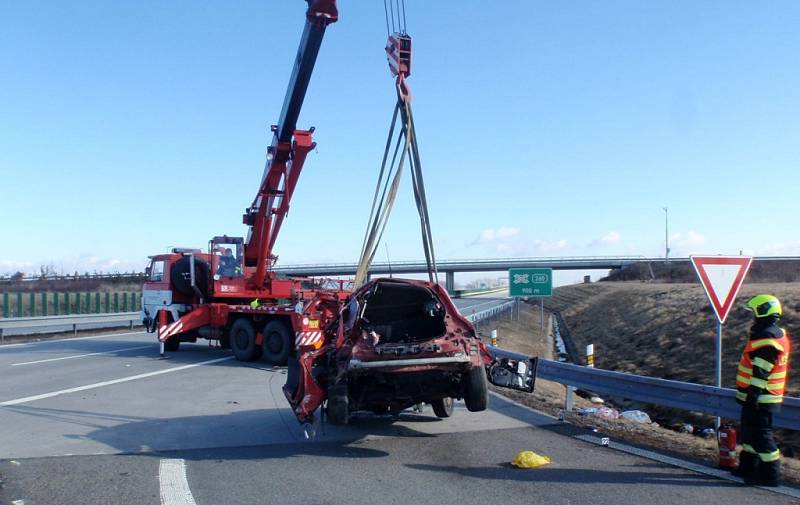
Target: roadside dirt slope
x,y
666,330
524,336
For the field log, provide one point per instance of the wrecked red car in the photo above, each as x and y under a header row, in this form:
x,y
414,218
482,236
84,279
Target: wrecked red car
x,y
397,343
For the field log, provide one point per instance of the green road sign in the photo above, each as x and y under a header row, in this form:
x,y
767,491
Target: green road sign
x,y
530,282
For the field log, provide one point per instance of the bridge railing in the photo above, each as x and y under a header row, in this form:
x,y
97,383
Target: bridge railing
x,y
667,393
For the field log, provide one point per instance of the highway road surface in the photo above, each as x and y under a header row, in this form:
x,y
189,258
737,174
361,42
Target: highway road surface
x,y
105,420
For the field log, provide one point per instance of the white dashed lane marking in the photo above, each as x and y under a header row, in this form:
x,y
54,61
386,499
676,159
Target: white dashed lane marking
x,y
173,483
83,355
33,398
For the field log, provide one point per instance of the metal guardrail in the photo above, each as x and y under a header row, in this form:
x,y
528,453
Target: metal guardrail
x,y
75,321
482,315
667,393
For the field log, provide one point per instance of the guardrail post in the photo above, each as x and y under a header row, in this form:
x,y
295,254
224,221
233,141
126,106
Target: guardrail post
x,y
75,325
568,400
116,302
2,338
5,305
44,304
97,303
108,304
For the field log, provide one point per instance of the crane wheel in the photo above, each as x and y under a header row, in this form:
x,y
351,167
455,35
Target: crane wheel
x,y
243,340
172,344
277,342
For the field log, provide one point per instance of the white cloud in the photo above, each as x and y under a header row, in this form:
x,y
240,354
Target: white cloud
x,y
549,246
11,266
791,248
684,244
85,263
491,235
609,238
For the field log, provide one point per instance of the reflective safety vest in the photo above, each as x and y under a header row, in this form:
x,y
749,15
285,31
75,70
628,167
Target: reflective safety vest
x,y
775,384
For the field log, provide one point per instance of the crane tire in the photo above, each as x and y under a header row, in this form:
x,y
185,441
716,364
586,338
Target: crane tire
x,y
243,340
277,342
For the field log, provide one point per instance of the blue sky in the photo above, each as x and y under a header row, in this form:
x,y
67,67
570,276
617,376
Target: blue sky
x,y
546,128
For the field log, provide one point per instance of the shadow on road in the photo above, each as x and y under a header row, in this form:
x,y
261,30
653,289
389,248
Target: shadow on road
x,y
576,475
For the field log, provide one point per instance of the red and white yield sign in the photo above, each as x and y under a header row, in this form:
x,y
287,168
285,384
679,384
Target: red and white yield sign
x,y
721,276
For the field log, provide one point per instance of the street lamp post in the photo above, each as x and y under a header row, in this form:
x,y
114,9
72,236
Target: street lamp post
x,y
666,234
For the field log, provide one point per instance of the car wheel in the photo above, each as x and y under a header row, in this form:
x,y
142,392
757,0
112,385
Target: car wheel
x,y
243,340
443,407
476,389
277,342
338,405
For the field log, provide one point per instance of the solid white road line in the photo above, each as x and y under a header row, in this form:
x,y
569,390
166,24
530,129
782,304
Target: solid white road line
x,y
83,355
174,486
48,341
28,399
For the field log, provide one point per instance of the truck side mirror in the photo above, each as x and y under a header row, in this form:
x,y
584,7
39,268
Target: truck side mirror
x,y
147,272
513,374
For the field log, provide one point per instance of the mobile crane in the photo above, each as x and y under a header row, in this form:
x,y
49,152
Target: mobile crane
x,y
383,347
229,293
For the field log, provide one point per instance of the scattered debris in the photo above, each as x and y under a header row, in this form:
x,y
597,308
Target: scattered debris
x,y
636,416
604,412
529,459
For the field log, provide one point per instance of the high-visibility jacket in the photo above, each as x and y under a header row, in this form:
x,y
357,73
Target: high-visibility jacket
x,y
771,381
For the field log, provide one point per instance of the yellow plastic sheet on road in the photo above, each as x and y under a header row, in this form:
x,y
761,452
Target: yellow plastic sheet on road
x,y
529,459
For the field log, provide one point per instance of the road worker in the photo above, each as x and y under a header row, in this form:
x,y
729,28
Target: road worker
x,y
760,383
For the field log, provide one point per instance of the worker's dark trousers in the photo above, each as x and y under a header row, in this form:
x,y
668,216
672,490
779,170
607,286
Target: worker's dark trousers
x,y
758,445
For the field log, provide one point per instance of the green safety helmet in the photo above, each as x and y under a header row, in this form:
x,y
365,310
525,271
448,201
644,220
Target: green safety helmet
x,y
765,306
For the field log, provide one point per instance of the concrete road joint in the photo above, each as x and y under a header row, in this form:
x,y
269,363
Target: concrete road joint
x,y
28,399
173,483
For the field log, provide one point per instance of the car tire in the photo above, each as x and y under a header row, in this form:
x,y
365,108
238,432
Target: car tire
x,y
443,407
277,342
476,389
338,407
243,340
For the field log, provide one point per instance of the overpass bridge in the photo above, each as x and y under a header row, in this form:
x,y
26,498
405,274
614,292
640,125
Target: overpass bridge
x,y
450,267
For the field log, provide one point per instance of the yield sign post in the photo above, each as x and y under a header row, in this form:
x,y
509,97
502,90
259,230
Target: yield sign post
x,y
721,276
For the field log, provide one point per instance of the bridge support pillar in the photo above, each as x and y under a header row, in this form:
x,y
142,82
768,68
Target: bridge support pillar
x,y
450,282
